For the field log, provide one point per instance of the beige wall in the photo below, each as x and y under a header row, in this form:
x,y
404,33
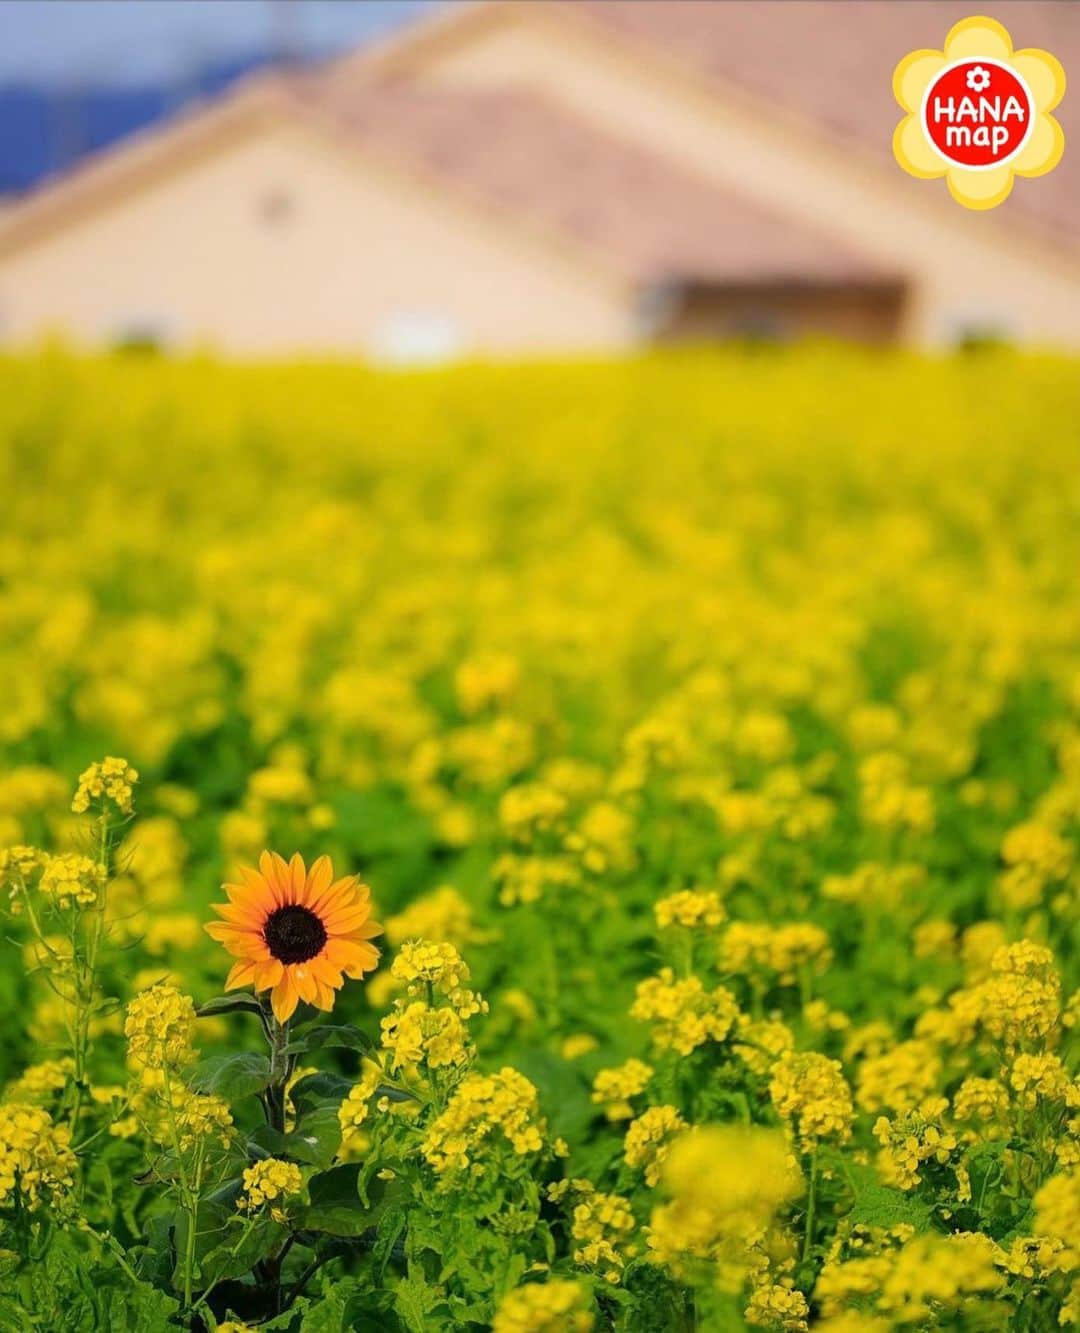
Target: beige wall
x,y
364,262
965,268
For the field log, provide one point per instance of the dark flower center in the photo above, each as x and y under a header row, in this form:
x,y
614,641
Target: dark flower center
x,y
294,934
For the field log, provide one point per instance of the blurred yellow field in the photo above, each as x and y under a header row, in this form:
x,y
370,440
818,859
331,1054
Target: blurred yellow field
x,y
707,729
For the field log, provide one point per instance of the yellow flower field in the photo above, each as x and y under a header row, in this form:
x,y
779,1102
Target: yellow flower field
x,y
697,740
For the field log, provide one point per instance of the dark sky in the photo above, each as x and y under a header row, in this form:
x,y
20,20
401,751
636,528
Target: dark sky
x,y
84,43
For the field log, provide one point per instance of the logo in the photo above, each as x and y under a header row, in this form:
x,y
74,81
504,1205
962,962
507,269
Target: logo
x,y
978,113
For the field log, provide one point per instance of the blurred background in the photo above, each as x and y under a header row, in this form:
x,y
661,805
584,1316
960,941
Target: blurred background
x,y
409,181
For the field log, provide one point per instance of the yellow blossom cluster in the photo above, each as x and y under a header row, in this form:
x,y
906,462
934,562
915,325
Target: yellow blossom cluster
x,y
270,1181
761,1041
39,1083
613,1089
530,810
648,1139
930,1281
110,780
425,965
693,909
601,1226
429,1023
899,1078
873,885
780,953
483,1108
1057,1212
416,1032
527,879
1035,856
37,1165
442,916
188,1117
559,1305
682,1013
71,878
912,1140
724,1186
887,797
353,1111
159,1026
981,1101
812,1097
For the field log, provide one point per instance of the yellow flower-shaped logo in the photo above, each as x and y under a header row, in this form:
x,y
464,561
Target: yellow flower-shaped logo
x,y
978,113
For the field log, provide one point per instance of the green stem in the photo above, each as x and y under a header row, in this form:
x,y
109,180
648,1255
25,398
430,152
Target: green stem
x,y
811,1204
252,1219
188,1200
279,1075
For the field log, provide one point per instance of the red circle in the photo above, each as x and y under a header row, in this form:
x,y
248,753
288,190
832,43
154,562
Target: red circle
x,y
977,114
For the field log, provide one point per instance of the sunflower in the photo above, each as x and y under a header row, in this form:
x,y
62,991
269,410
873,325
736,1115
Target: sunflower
x,y
299,931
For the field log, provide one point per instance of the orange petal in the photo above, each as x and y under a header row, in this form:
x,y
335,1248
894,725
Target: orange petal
x,y
275,872
368,931
324,997
268,973
340,951
339,894
346,919
324,971
226,930
367,962
250,917
297,880
241,974
283,998
320,877
305,982
248,895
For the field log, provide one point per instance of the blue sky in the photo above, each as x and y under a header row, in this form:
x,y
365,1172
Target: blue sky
x,y
94,42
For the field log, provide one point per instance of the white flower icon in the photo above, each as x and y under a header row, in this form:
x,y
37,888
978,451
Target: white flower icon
x,y
978,79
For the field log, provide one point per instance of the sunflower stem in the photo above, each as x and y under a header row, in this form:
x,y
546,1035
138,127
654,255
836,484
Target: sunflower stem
x,y
279,1074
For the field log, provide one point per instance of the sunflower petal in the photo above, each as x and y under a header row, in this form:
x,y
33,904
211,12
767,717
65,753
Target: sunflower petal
x,y
367,962
250,917
268,973
284,998
241,974
297,879
346,919
305,982
324,971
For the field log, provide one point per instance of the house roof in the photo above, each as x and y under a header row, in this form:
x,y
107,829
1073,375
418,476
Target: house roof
x,y
628,211
531,161
829,65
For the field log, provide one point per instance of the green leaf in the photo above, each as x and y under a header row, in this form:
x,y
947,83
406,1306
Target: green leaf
x,y
319,1090
392,1225
878,1205
328,1036
265,1141
335,1206
236,1257
331,1314
233,1076
416,1300
316,1138
564,1093
227,1004
211,1223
